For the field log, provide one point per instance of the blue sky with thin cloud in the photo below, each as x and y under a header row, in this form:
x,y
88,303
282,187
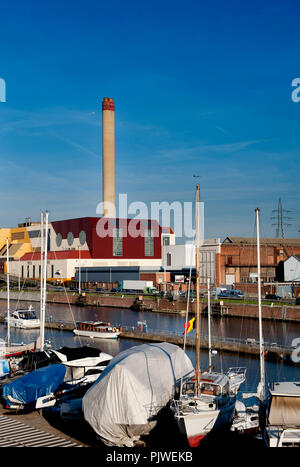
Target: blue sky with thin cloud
x,y
200,88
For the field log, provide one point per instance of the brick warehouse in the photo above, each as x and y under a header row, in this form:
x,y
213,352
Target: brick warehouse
x,y
237,261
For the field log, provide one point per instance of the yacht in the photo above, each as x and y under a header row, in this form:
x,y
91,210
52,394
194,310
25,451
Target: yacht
x,y
212,409
23,318
96,329
207,401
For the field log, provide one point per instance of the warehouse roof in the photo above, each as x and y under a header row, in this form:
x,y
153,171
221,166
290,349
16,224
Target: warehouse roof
x,y
269,241
66,254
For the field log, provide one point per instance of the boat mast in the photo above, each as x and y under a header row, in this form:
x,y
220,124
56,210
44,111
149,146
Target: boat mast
x,y
79,272
261,386
209,323
41,277
8,295
197,298
44,283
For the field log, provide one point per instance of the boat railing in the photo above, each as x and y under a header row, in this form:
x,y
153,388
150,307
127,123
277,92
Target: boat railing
x,y
204,337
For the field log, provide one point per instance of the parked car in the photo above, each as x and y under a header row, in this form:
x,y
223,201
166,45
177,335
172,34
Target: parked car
x,y
271,296
231,293
100,289
193,294
297,301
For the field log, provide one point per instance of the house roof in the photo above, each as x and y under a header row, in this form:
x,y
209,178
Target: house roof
x,y
52,255
167,230
269,241
293,256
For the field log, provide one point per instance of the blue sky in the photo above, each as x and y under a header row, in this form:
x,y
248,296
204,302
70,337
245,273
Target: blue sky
x,y
199,87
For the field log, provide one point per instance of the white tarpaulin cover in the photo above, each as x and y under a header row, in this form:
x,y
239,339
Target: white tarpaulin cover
x,y
135,385
285,411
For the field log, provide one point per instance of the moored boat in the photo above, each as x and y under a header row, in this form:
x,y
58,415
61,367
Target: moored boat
x,y
246,419
283,415
211,409
23,318
96,329
123,404
207,401
58,374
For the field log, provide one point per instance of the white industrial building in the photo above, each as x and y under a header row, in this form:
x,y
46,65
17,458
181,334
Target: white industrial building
x,y
182,257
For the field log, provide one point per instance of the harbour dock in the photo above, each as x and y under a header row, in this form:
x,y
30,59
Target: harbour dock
x,y
240,309
245,346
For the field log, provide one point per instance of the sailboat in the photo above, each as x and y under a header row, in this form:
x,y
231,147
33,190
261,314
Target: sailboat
x,y
50,373
280,404
9,350
249,419
207,401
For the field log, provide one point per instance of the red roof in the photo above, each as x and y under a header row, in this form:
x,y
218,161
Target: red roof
x,y
68,254
167,230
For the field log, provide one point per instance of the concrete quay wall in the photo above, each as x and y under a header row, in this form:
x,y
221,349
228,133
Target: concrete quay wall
x,y
231,309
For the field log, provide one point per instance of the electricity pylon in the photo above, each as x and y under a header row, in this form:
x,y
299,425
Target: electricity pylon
x,y
281,218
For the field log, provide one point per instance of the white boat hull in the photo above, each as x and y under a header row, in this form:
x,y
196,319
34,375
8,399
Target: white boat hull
x,y
24,324
14,350
98,335
195,426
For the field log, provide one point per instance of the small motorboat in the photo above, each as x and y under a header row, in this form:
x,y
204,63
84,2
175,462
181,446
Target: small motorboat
x,y
245,419
24,318
96,329
43,387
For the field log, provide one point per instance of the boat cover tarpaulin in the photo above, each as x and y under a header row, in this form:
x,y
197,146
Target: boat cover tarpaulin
x,y
74,353
35,360
284,411
28,388
123,402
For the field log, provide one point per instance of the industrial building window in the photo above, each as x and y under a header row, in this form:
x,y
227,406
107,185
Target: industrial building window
x,y
166,240
34,233
117,242
52,271
149,242
33,272
169,259
22,271
27,270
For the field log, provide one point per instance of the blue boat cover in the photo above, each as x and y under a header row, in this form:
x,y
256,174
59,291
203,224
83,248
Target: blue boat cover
x,y
35,384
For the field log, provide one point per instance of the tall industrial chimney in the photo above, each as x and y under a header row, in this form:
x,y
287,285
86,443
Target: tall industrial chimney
x,y
108,154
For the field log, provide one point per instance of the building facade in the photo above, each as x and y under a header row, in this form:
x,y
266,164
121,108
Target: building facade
x,y
238,259
90,242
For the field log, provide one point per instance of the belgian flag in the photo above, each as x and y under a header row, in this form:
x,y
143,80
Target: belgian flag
x,y
189,326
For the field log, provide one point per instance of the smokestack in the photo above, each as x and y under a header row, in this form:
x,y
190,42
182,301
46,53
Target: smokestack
x,y
108,154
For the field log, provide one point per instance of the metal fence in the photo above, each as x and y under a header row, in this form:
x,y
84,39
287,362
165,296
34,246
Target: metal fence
x,y
204,337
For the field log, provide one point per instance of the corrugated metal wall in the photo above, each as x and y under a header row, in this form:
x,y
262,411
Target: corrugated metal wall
x,y
108,274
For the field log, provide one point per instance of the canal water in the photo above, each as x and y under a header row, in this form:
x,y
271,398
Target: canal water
x,y
280,332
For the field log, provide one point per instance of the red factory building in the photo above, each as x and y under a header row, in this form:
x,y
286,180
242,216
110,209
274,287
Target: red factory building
x,y
102,248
